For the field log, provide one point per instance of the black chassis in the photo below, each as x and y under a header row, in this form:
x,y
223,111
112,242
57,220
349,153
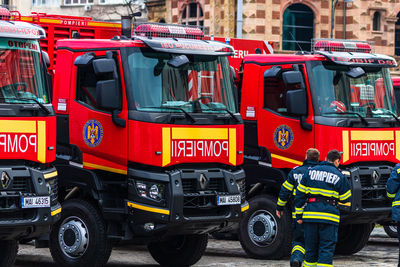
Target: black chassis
x,y
185,210
17,222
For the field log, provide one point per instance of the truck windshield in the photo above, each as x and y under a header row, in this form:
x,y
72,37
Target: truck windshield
x,y
336,94
159,87
21,72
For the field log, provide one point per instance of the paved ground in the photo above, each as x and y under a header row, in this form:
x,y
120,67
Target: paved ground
x,y
380,251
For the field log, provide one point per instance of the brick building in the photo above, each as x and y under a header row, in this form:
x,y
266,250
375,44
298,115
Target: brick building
x,y
289,23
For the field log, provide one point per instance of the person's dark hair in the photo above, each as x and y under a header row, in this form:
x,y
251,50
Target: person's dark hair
x,y
333,155
312,154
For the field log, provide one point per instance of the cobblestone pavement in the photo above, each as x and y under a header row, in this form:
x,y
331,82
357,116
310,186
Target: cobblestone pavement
x,y
380,251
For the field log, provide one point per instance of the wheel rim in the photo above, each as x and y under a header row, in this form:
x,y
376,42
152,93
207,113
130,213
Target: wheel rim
x,y
73,237
262,228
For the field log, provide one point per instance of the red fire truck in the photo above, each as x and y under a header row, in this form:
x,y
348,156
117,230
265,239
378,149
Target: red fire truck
x,y
338,97
28,181
149,142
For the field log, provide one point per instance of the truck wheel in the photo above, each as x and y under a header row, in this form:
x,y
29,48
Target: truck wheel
x,y
352,238
262,234
184,250
391,230
79,237
8,252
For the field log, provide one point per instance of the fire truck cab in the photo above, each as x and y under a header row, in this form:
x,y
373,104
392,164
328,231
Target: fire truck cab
x,y
28,181
338,97
149,145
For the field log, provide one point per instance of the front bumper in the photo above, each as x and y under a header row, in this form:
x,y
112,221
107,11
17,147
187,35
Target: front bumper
x,y
369,202
187,209
17,222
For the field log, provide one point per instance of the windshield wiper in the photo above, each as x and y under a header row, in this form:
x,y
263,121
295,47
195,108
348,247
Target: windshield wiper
x,y
32,99
363,120
388,112
224,109
177,108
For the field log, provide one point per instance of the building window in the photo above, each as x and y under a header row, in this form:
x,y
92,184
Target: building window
x,y
113,2
397,36
37,2
77,2
376,24
192,14
298,28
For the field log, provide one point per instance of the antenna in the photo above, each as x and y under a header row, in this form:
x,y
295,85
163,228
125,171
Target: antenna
x,y
296,43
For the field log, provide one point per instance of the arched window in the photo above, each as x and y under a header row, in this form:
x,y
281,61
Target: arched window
x,y
192,14
298,27
397,36
376,24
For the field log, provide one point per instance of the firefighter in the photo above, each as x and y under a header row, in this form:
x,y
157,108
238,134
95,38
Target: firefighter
x,y
287,190
318,193
393,189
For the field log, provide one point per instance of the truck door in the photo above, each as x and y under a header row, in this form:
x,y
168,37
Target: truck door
x,y
283,134
93,129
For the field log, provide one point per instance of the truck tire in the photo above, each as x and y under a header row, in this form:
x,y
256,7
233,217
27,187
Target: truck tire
x,y
261,233
184,250
352,238
391,230
8,252
79,238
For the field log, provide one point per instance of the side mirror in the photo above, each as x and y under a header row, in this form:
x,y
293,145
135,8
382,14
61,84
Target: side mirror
x,y
272,72
293,78
103,66
296,102
107,96
46,59
84,60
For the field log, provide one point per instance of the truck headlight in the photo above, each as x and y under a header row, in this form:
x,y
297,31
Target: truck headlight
x,y
151,190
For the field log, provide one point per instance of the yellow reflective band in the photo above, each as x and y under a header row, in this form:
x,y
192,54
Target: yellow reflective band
x,y
55,212
396,203
294,215
50,175
147,208
322,192
286,159
199,133
299,248
245,207
288,186
345,195
302,188
281,202
390,195
321,216
345,204
298,210
371,135
104,168
324,265
398,170
309,264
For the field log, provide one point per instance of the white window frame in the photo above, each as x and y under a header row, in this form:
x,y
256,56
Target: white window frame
x,y
78,4
112,2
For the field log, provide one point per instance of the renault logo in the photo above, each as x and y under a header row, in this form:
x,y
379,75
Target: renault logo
x,y
375,177
5,180
203,181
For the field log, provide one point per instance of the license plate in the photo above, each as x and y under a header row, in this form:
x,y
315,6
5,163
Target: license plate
x,y
35,202
228,200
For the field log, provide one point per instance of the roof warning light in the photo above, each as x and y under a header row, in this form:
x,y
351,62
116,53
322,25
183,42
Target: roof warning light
x,y
341,46
171,31
4,14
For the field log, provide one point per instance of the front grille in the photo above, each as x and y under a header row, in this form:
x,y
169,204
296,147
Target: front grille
x,y
214,184
17,215
242,187
21,184
367,181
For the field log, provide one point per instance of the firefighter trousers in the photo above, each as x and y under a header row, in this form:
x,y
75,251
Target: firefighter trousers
x,y
297,242
320,242
398,235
